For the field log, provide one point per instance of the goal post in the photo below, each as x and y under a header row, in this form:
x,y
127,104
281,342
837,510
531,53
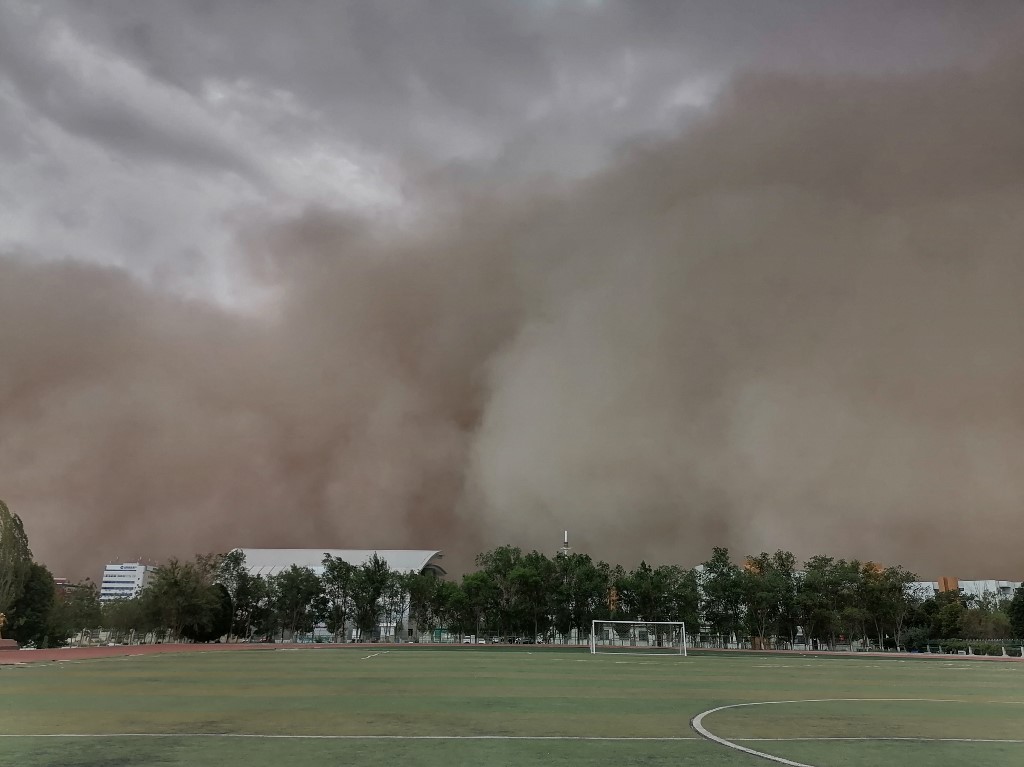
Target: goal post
x,y
638,637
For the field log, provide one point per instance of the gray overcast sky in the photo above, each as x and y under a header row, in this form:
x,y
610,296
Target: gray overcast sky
x,y
140,133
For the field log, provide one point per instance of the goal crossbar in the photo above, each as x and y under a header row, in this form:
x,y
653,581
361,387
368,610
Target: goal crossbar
x,y
637,637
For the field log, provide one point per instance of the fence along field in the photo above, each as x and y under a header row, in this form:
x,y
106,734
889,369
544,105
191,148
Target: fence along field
x,y
436,707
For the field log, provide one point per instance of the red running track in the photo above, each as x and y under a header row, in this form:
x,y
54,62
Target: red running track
x,y
9,657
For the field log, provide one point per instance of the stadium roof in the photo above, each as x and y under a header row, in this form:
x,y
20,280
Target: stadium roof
x,y
273,561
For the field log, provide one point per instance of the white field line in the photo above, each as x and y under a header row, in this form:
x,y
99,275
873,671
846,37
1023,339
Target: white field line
x,y
697,724
263,736
342,737
881,737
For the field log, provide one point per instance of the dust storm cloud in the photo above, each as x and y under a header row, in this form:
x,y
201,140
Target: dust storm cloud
x,y
798,324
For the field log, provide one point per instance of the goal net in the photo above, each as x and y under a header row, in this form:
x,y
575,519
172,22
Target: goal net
x,y
638,637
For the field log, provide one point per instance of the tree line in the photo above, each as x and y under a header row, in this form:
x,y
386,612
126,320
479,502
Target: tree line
x,y
512,594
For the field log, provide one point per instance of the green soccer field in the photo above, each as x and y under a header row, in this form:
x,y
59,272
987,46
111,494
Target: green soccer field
x,y
493,707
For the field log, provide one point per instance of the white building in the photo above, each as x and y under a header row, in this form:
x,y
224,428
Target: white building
x,y
124,580
998,589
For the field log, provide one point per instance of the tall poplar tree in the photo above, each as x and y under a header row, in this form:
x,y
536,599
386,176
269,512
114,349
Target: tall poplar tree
x,y
15,558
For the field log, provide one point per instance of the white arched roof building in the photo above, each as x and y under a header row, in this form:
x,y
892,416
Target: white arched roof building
x,y
272,561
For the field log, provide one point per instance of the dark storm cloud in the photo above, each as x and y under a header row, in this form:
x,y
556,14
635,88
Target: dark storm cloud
x,y
464,79
796,325
788,319
92,98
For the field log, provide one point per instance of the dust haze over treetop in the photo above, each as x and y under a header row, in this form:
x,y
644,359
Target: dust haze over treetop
x,y
794,324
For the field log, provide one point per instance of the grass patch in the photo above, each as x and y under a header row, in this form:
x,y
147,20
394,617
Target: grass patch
x,y
486,692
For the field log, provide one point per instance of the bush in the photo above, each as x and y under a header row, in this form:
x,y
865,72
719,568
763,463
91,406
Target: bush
x,y
973,646
916,638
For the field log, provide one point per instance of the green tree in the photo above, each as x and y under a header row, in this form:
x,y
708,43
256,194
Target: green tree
x,y
479,594
533,578
215,572
251,604
944,613
125,615
370,582
827,600
181,596
451,607
986,620
233,574
262,619
15,560
295,590
394,602
722,588
498,566
75,608
768,585
682,590
664,593
423,602
1015,612
638,595
337,587
218,623
951,621
891,601
580,594
32,608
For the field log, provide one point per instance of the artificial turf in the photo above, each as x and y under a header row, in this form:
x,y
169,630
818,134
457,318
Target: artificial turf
x,y
412,696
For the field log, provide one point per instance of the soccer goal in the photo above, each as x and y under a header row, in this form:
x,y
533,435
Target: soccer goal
x,y
638,637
